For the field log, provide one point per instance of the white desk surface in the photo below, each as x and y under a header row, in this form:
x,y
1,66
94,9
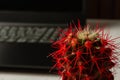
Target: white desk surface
x,y
112,25
25,76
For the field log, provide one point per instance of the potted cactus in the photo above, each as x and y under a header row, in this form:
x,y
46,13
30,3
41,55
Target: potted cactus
x,y
84,54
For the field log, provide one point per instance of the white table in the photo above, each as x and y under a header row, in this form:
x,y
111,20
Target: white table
x,y
25,76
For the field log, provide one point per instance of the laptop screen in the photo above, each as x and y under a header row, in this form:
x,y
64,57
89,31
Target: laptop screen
x,y
41,5
41,11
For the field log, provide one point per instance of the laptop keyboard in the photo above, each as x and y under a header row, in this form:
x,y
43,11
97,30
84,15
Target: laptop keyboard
x,y
27,33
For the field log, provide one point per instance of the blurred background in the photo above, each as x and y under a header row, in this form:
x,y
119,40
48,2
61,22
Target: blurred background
x,y
103,9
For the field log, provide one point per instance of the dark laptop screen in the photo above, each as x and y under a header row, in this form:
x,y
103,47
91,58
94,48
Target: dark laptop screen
x,y
41,11
41,5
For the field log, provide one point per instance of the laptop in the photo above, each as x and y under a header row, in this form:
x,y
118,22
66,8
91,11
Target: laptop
x,y
26,28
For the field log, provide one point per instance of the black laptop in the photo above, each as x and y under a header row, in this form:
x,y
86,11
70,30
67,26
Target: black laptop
x,y
27,28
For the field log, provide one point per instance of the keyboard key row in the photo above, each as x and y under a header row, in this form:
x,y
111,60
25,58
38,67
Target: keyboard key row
x,y
28,34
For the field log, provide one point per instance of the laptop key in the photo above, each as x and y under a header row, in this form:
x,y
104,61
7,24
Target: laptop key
x,y
46,35
39,32
4,33
54,35
12,34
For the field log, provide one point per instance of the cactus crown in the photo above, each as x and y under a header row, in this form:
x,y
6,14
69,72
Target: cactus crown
x,y
84,54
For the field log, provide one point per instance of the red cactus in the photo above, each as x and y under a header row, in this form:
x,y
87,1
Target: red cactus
x,y
84,54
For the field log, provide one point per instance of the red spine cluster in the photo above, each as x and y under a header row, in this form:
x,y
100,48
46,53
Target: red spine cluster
x,y
84,54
